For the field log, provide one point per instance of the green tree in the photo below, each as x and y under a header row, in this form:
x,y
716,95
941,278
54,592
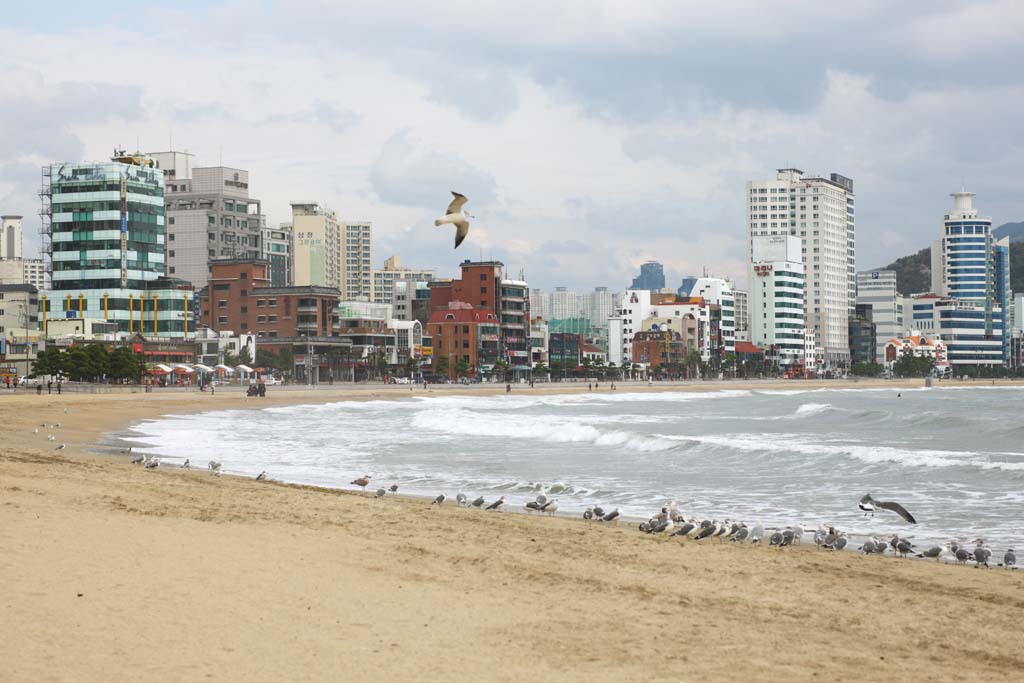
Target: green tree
x,y
441,365
909,365
693,364
540,369
230,359
866,369
124,364
51,361
461,367
245,358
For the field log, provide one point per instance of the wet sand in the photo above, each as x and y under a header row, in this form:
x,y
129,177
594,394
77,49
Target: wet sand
x,y
112,572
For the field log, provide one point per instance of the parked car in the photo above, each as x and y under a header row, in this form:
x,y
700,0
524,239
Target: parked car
x,y
270,380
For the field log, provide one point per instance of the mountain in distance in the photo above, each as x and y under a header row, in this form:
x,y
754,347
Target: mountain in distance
x,y
914,272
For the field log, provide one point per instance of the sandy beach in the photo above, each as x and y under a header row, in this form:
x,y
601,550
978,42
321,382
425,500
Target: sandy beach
x,y
112,572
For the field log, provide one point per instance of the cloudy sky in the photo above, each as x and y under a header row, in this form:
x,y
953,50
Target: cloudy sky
x,y
590,136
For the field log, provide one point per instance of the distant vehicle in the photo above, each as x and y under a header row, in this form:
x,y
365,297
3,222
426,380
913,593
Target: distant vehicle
x,y
270,380
399,380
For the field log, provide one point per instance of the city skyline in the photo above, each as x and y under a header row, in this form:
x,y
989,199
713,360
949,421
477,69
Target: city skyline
x,y
576,182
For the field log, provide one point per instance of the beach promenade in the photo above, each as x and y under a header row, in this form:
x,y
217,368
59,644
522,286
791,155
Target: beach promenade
x,y
112,572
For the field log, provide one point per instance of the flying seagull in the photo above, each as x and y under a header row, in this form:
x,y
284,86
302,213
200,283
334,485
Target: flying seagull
x,y
261,476
496,504
457,217
887,505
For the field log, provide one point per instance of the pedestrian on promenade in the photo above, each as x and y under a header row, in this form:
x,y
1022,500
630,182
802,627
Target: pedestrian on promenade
x,y
49,386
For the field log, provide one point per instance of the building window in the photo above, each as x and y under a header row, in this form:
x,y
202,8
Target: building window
x,y
245,309
245,326
222,303
261,303
223,320
170,221
483,277
272,302
245,292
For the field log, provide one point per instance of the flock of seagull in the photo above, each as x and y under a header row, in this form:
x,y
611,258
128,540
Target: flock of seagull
x,y
670,523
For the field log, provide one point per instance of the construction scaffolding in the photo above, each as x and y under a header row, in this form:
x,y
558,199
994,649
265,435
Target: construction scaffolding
x,y
46,218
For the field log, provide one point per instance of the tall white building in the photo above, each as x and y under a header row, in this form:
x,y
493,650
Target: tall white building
x,y
316,246
601,305
877,288
385,279
741,297
566,304
820,211
10,237
357,261
718,292
777,293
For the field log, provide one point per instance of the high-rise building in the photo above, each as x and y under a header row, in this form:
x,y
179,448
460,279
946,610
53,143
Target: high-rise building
x,y
969,264
540,304
741,297
357,262
103,231
566,304
209,216
602,305
10,237
276,249
385,279
877,289
777,291
962,325
820,211
651,277
686,285
483,284
718,292
864,337
317,241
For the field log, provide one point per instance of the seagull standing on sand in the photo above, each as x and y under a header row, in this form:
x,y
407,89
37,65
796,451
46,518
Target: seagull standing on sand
x,y
550,507
362,482
611,516
1009,559
478,502
152,463
50,437
139,459
187,464
380,493
496,504
867,500
215,466
261,476
982,555
393,488
454,215
588,514
533,506
61,447
439,500
460,498
933,553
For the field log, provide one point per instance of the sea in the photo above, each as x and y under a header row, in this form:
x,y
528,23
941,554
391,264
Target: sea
x,y
954,457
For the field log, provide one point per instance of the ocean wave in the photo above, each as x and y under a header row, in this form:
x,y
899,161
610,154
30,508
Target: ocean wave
x,y
808,409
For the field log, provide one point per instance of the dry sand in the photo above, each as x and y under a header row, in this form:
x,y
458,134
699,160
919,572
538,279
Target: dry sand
x,y
110,572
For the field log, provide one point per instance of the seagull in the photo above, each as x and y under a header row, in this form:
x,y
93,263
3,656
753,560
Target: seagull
x,y
868,508
868,547
533,506
932,553
787,537
1009,559
741,534
36,430
139,459
380,493
685,529
496,504
439,500
776,538
798,535
152,463
187,465
706,531
460,498
541,499
261,476
588,514
127,450
394,488
981,556
598,512
961,555
57,425
215,466
610,517
457,217
50,437
362,481
903,546
840,542
61,447
888,505
550,507
478,502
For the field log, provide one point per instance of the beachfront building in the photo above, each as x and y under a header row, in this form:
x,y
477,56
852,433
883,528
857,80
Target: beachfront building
x,y
15,269
719,292
276,249
777,301
969,264
742,314
638,308
972,333
19,328
651,277
483,284
316,246
819,211
357,261
209,216
385,279
103,233
411,300
877,289
633,307
916,344
539,335
239,298
863,337
663,350
466,337
565,351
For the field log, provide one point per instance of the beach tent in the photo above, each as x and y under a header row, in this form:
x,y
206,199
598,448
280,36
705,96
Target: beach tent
x,y
243,368
202,368
160,369
223,369
180,369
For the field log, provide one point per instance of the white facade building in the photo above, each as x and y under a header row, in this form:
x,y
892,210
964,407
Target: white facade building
x,y
777,299
742,299
633,307
820,211
718,292
877,288
601,305
385,279
357,261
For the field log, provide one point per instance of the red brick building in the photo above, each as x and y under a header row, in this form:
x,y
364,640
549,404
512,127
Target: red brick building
x,y
461,331
239,298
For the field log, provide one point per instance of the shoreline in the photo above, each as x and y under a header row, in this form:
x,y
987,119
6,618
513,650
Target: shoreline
x,y
292,581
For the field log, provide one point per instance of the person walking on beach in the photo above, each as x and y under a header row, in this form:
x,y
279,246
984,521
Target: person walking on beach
x,y
49,386
58,387
590,387
508,388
